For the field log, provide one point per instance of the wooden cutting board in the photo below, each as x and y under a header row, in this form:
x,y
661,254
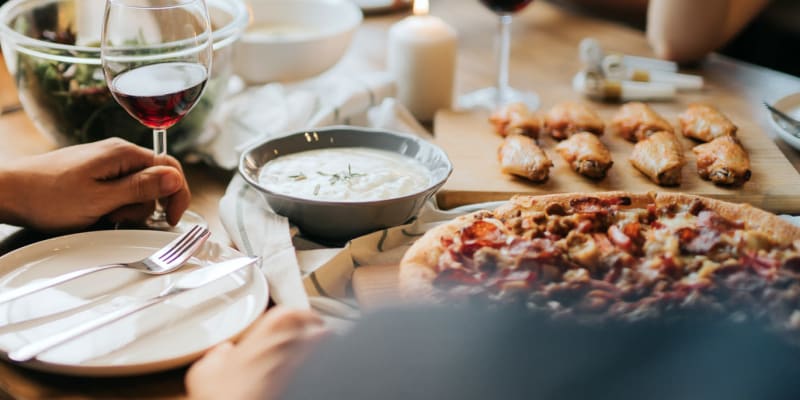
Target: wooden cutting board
x,y
471,144
376,286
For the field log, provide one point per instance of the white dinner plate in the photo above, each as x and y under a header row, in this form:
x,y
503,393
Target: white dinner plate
x,y
791,106
165,336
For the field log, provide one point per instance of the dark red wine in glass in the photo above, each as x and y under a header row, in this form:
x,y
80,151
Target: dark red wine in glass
x,y
159,95
506,6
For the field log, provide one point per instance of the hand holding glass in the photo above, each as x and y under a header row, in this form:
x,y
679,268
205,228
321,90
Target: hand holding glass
x,y
156,57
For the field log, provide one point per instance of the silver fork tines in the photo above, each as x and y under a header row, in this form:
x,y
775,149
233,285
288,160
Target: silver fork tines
x,y
165,260
178,247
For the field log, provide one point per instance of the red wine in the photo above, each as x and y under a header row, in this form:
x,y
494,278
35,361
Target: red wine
x,y
159,95
506,6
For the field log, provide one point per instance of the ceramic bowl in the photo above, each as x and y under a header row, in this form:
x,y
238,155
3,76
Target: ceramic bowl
x,y
289,40
334,221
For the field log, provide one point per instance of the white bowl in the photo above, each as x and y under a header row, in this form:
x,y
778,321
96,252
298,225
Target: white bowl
x,y
791,106
294,39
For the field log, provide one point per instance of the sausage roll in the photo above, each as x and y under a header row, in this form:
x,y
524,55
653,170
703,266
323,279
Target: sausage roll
x,y
519,155
516,119
705,123
660,157
586,154
723,161
569,117
636,121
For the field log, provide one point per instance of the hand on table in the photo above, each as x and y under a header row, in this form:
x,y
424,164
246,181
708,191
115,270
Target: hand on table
x,y
73,187
262,362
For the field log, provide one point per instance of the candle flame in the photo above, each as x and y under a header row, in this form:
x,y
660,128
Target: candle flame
x,y
421,7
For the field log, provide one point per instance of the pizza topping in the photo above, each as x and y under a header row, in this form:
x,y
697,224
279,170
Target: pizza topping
x,y
481,233
595,258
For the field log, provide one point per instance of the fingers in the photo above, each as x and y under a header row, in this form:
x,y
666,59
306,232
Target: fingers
x,y
133,213
143,186
131,178
208,368
260,364
179,201
282,319
115,157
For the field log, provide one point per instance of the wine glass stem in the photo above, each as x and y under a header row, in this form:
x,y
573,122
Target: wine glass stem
x,y
159,158
503,54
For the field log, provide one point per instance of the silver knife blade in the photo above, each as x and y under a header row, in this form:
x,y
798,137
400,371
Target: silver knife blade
x,y
192,280
206,275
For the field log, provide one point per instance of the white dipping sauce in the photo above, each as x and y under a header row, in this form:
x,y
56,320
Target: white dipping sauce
x,y
345,174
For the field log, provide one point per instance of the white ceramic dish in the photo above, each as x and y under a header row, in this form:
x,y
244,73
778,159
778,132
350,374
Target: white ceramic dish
x,y
289,40
791,106
165,336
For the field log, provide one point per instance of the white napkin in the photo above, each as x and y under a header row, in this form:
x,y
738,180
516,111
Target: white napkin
x,y
272,110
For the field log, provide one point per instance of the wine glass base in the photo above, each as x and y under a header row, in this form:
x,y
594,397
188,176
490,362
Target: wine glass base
x,y
188,220
490,99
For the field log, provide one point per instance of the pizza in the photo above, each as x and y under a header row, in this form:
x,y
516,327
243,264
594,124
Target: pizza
x,y
614,256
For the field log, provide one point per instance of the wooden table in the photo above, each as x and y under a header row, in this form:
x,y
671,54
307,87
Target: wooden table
x,y
544,58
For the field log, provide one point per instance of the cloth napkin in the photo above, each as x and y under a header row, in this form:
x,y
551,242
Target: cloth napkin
x,y
254,114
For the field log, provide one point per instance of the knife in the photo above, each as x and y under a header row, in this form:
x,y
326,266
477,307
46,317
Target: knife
x,y
192,280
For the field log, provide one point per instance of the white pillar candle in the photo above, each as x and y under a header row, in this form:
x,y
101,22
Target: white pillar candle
x,y
422,59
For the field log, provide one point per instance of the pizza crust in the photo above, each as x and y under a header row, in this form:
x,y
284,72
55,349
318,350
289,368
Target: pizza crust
x,y
418,266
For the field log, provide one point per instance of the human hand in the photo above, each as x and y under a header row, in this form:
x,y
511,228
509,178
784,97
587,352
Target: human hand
x,y
73,187
261,363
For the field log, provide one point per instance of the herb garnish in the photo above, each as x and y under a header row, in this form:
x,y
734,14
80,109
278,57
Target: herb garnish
x,y
298,177
342,176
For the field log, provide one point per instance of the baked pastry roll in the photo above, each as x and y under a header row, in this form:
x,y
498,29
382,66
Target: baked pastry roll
x,y
519,155
660,157
586,154
569,117
723,161
705,123
636,121
515,119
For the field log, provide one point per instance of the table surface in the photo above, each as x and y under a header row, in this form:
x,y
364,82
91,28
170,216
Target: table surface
x,y
544,58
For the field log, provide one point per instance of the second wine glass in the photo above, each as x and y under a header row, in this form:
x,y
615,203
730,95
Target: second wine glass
x,y
501,94
156,57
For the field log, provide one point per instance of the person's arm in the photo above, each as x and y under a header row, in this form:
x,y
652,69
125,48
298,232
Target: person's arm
x,y
687,30
9,206
73,187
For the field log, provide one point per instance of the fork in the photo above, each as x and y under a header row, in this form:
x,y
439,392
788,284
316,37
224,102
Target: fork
x,y
165,260
795,124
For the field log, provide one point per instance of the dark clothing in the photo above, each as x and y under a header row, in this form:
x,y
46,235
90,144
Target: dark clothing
x,y
452,354
772,40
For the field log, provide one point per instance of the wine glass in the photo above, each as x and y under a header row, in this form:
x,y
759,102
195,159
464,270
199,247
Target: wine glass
x,y
494,97
156,57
